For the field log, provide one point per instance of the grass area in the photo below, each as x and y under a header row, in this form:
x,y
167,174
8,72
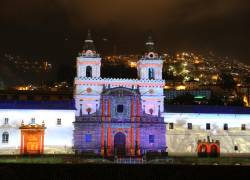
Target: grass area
x,y
31,160
203,161
72,159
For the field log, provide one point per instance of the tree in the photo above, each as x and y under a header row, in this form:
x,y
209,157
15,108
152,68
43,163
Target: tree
x,y
215,100
185,99
237,102
227,82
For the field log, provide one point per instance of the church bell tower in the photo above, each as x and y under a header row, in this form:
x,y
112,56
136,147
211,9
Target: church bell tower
x,y
87,91
149,70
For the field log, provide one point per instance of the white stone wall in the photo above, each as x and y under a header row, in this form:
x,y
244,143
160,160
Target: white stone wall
x,y
89,96
152,98
57,139
183,141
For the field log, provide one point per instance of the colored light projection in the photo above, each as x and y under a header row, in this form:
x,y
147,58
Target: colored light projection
x,y
208,148
119,127
32,139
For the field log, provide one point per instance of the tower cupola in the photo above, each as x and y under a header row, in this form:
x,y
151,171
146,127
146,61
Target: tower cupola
x,y
89,47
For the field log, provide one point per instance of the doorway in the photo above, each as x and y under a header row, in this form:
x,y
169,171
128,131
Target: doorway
x,y
120,144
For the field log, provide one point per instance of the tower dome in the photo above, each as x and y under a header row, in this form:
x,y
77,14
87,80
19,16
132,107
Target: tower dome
x,y
150,52
89,47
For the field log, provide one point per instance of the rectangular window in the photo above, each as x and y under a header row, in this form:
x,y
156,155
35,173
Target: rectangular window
x,y
6,120
59,121
33,121
225,127
88,138
243,127
151,138
171,125
5,137
120,108
208,126
190,126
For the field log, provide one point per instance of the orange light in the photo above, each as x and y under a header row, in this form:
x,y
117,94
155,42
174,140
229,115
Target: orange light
x,y
180,87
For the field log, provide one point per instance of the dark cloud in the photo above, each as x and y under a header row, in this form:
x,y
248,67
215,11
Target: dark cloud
x,y
222,25
128,13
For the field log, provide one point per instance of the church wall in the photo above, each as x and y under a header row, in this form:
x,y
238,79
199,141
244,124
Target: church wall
x,y
92,143
158,131
183,141
152,98
88,96
57,138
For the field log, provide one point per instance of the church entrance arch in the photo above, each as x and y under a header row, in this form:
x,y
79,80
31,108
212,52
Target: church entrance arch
x,y
120,144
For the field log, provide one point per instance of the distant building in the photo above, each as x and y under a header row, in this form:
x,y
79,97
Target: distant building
x,y
35,95
171,94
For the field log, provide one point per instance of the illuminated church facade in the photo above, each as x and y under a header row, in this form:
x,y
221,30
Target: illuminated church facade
x,y
119,116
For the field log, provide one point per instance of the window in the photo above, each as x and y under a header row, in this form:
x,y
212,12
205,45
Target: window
x,y
33,121
171,125
59,121
236,148
120,108
208,126
6,120
225,127
189,125
151,74
243,127
88,138
5,137
88,71
151,138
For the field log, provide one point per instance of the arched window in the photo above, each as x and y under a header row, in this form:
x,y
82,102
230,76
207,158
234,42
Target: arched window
x,y
5,137
151,73
88,71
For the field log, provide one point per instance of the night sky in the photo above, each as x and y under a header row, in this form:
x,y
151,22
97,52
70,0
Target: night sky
x,y
55,29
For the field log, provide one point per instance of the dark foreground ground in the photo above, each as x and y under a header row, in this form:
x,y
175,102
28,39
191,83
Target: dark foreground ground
x,y
120,171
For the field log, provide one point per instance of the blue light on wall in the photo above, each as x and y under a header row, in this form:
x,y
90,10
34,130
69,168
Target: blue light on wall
x,y
88,138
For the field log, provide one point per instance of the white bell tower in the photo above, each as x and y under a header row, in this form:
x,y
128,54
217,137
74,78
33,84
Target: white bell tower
x,y
87,91
150,65
149,69
88,62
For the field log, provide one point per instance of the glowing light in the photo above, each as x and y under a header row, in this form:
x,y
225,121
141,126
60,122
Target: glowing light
x,y
199,97
167,87
180,87
133,64
245,100
24,88
215,77
196,61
